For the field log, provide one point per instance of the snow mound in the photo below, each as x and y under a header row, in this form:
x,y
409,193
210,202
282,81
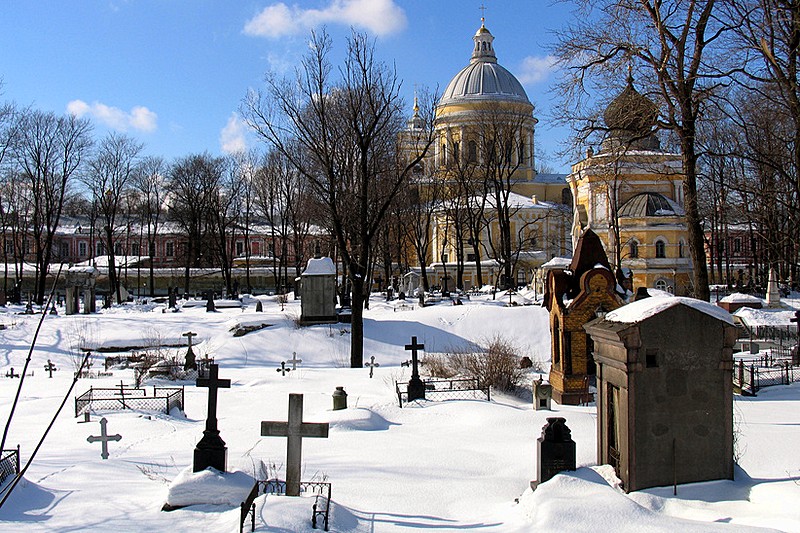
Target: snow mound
x,y
209,486
358,419
764,317
321,266
738,297
643,309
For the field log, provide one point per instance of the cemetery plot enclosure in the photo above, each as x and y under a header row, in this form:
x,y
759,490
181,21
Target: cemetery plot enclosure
x,y
95,399
321,490
9,464
449,389
750,379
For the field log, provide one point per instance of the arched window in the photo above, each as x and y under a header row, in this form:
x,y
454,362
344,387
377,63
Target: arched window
x,y
456,152
634,250
661,249
472,152
661,285
566,196
681,250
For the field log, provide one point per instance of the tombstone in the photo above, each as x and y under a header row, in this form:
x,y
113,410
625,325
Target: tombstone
x,y
416,388
11,374
210,307
283,370
318,286
173,300
372,364
3,300
190,361
542,394
295,361
754,348
211,450
104,437
388,294
773,294
665,391
339,399
295,429
50,367
525,362
16,293
29,306
259,307
556,450
422,298
53,310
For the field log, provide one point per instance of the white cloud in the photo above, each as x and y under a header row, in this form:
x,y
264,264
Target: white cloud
x,y
536,68
233,137
139,118
381,17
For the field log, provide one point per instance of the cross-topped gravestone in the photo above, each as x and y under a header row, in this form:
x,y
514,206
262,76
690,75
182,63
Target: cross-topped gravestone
x,y
295,429
50,367
283,370
211,450
190,363
104,438
416,389
210,306
11,374
295,361
372,364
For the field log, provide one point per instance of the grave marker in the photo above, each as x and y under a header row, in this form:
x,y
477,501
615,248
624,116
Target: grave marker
x,y
295,361
556,450
211,450
372,364
104,438
295,429
11,374
210,307
190,363
283,370
416,389
50,367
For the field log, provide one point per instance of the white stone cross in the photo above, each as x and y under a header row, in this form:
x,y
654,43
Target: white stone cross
x,y
295,429
295,361
104,438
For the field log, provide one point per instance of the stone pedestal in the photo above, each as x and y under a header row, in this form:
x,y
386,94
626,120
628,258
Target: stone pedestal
x,y
542,395
556,450
210,451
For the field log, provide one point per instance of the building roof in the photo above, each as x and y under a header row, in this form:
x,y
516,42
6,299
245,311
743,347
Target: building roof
x,y
645,308
650,204
483,79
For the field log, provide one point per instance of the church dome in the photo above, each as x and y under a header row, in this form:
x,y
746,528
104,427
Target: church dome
x,y
650,204
631,111
483,78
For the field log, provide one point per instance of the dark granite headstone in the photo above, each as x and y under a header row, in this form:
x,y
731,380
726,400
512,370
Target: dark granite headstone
x,y
556,450
259,307
210,307
211,450
173,298
416,388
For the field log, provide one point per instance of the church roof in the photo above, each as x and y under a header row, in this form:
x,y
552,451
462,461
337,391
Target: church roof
x,y
650,204
483,78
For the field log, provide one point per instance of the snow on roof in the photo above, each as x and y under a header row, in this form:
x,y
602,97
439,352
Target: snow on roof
x,y
641,310
558,262
738,297
85,269
764,317
322,266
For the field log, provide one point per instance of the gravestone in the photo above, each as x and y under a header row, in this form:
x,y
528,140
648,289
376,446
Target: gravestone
x,y
172,299
259,307
416,389
103,438
542,395
210,307
211,450
11,374
339,399
295,429
318,286
3,300
773,294
190,362
295,361
556,450
283,370
50,367
372,364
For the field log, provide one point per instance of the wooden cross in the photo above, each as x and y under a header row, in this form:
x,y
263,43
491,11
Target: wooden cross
x,y
294,360
416,389
50,367
11,374
283,370
295,429
372,364
214,384
104,438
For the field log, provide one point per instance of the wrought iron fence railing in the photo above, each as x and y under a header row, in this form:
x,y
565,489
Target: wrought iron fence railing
x,y
449,389
321,490
9,464
749,379
163,399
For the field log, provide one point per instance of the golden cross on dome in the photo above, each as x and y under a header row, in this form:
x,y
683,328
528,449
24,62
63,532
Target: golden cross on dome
x,y
483,13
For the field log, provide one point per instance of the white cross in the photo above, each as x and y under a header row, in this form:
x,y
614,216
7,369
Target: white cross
x,y
294,360
104,438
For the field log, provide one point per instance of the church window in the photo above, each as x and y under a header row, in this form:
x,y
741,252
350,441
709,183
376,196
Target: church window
x,y
634,249
135,248
661,249
737,245
456,152
100,249
661,285
681,251
169,249
82,249
472,152
566,196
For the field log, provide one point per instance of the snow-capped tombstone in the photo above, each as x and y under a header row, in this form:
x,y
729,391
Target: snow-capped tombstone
x,y
318,286
665,391
542,395
556,450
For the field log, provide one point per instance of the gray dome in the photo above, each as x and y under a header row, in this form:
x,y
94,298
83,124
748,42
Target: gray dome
x,y
483,78
484,81
649,204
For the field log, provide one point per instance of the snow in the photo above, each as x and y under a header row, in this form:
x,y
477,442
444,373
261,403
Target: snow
x,y
764,317
738,297
443,466
645,308
320,266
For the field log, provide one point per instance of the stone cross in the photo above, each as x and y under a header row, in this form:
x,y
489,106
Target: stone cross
x,y
104,438
295,429
191,363
50,367
416,389
294,360
211,450
372,364
283,370
11,374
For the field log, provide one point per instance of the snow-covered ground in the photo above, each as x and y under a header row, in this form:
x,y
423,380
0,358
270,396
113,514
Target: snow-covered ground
x,y
441,466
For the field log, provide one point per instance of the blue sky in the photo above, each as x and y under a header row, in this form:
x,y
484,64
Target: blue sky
x,y
172,73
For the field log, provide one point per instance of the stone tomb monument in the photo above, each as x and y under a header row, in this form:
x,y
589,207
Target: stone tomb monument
x,y
556,450
542,394
80,281
318,291
211,450
665,391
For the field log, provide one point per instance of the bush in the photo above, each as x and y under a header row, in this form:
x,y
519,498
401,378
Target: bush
x,y
497,365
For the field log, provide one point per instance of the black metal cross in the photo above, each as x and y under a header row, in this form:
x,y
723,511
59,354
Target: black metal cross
x,y
295,429
11,374
416,389
372,364
50,367
211,450
283,370
104,438
122,393
190,362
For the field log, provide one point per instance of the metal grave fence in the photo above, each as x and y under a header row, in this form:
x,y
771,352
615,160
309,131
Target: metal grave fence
x,y
9,464
749,379
449,389
321,490
163,399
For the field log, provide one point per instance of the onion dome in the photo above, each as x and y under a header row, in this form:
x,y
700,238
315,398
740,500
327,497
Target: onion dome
x,y
631,112
483,78
650,204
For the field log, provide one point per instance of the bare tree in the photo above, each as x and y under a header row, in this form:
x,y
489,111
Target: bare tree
x,y
151,184
348,128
